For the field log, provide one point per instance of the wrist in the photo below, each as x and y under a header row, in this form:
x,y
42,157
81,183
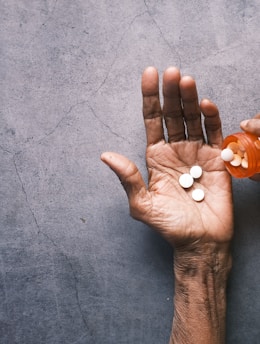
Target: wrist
x,y
201,273
193,259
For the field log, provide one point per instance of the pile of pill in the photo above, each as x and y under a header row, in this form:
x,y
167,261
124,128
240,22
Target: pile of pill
x,y
235,154
186,180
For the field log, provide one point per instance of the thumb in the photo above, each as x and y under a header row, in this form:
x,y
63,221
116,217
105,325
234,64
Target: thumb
x,y
127,172
251,125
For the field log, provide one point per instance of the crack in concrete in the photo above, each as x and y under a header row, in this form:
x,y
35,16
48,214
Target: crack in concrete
x,y
28,144
79,339
172,48
116,51
106,125
60,121
222,51
5,150
52,131
25,193
46,236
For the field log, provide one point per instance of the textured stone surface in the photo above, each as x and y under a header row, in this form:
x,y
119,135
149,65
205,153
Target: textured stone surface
x,y
74,267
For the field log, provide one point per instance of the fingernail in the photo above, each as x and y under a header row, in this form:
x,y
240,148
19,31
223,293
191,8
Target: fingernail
x,y
244,123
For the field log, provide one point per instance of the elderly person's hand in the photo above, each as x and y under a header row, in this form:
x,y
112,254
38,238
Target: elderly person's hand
x,y
201,231
164,204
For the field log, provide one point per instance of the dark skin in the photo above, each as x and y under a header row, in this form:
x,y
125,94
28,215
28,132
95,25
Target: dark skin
x,y
200,232
164,204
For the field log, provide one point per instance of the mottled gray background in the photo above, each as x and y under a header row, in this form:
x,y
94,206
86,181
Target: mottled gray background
x,y
74,267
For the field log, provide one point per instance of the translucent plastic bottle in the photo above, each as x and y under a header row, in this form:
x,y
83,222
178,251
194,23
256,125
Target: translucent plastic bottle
x,y
249,150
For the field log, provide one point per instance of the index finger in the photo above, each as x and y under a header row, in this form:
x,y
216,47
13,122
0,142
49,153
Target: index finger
x,y
152,111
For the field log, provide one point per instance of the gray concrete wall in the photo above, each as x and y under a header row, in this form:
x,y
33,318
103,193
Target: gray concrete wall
x,y
74,267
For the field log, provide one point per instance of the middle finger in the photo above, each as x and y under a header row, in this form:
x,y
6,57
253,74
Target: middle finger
x,y
191,109
172,108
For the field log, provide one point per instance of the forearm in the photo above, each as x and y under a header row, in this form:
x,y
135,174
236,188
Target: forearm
x,y
201,274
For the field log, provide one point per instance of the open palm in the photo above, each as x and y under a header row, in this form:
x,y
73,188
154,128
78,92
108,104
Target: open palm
x,y
164,204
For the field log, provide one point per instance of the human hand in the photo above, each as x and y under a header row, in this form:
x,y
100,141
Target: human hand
x,y
252,126
164,204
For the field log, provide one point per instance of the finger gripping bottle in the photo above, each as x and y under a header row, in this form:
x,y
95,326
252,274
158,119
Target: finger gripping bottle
x,y
241,154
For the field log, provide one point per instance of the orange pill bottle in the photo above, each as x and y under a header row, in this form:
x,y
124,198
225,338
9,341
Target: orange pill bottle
x,y
248,147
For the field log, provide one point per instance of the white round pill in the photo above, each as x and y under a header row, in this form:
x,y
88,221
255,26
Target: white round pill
x,y
236,161
244,163
196,172
227,154
198,195
186,180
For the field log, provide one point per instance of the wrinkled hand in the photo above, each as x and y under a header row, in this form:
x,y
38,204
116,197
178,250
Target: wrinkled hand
x,y
164,204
